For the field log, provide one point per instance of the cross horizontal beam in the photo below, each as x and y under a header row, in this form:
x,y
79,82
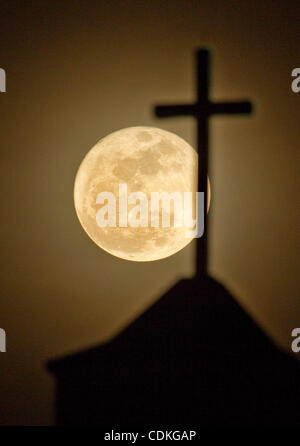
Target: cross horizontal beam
x,y
230,108
206,109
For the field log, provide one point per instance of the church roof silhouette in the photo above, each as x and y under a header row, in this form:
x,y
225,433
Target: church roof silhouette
x,y
195,357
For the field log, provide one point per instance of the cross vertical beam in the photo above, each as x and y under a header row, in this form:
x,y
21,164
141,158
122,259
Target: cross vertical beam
x,y
201,111
202,83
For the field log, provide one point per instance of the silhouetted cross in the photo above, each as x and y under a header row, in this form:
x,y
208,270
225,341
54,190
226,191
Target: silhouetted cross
x,y
202,110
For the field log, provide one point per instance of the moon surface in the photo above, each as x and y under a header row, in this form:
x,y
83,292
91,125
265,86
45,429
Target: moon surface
x,y
147,159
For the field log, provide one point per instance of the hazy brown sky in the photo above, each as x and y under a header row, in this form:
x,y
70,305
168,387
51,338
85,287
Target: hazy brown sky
x,y
79,70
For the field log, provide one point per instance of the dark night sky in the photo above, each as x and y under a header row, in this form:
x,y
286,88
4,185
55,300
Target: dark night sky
x,y
79,70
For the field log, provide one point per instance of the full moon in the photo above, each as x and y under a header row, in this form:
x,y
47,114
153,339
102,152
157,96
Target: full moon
x,y
146,159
